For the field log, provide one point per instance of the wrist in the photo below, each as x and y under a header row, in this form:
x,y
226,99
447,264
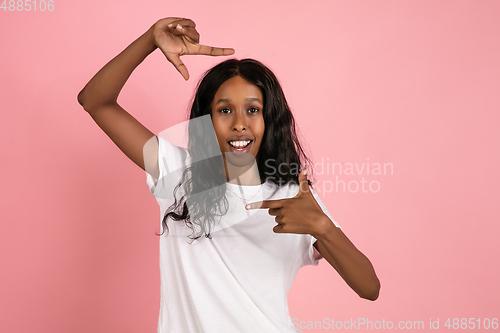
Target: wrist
x,y
324,227
149,37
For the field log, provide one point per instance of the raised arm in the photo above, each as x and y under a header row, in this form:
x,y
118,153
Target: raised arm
x,y
175,37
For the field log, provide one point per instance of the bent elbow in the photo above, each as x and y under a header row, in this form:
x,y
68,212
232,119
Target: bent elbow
x,y
81,98
371,293
85,102
373,296
90,103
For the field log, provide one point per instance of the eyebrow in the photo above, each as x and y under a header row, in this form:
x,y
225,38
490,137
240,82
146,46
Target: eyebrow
x,y
249,99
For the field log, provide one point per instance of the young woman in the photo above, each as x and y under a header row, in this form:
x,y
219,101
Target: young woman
x,y
239,215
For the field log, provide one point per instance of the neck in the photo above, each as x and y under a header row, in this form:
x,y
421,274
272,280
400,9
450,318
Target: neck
x,y
248,175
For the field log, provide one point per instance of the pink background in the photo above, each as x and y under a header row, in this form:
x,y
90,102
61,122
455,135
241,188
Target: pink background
x,y
412,83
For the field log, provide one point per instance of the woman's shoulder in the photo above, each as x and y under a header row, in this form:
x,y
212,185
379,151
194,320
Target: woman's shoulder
x,y
171,155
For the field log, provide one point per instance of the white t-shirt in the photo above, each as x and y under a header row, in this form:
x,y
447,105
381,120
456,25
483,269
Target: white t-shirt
x,y
237,281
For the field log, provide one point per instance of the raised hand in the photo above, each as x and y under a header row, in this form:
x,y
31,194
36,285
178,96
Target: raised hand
x,y
298,215
176,37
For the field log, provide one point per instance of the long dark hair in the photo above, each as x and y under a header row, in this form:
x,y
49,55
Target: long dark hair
x,y
203,182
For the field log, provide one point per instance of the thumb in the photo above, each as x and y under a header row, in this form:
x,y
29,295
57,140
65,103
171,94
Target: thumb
x,y
303,184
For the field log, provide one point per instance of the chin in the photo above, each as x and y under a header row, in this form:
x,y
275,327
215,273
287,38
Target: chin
x,y
240,161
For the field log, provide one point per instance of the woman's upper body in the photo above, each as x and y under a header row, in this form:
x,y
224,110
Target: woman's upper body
x,y
237,280
298,216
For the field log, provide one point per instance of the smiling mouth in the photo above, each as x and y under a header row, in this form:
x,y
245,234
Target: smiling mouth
x,y
240,145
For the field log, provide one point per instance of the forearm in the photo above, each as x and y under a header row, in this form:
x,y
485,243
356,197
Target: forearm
x,y
105,86
352,265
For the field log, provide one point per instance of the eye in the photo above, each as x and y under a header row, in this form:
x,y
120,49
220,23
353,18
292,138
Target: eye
x,y
253,110
225,110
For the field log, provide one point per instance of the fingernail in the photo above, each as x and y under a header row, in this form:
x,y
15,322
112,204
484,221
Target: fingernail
x,y
179,27
305,171
247,206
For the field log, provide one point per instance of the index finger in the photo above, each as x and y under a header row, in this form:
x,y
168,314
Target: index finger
x,y
215,51
265,204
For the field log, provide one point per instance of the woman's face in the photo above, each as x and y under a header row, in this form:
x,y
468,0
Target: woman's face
x,y
238,121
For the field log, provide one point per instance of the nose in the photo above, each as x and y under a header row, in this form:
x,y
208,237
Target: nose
x,y
239,123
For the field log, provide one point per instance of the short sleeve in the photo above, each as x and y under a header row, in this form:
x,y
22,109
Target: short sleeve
x,y
310,257
172,161
313,255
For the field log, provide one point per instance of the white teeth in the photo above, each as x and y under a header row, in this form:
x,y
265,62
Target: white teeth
x,y
238,144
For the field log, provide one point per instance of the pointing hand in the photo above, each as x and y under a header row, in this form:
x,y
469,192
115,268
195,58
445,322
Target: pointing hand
x,y
298,215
